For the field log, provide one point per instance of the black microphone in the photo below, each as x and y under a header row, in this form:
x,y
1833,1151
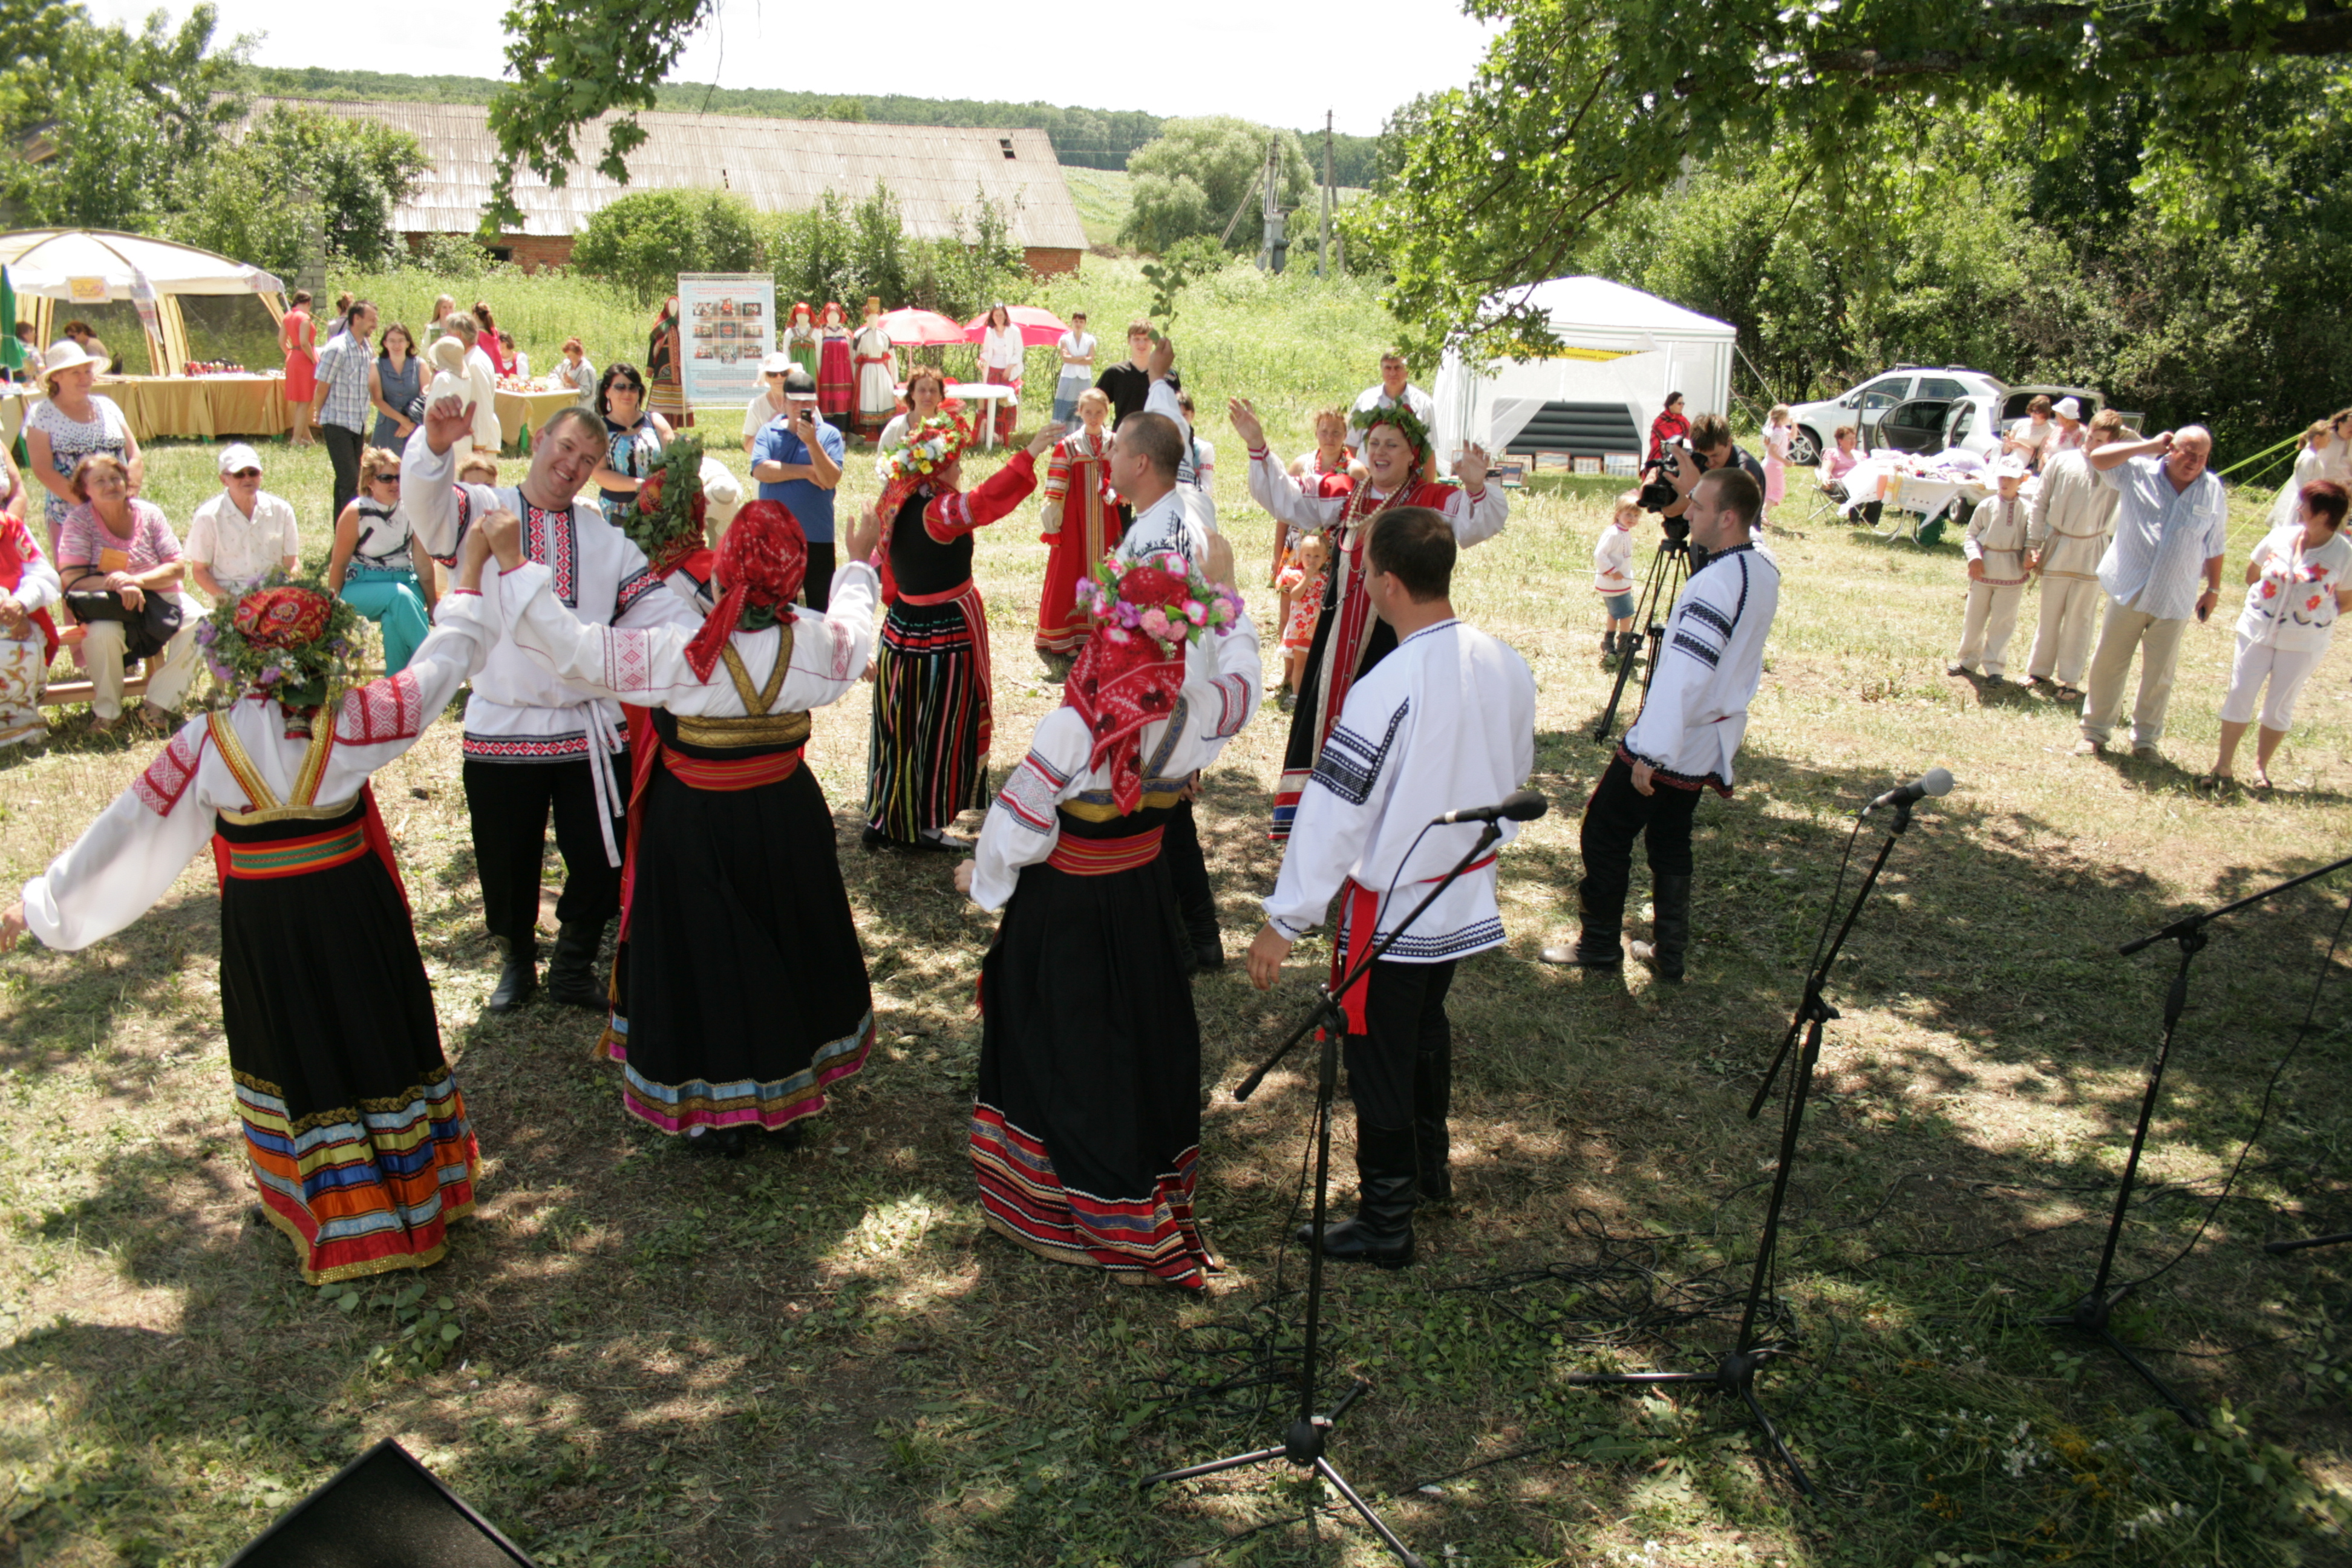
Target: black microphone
x,y
1522,805
1935,781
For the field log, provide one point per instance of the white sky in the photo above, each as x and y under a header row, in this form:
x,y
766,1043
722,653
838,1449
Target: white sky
x,y
1282,64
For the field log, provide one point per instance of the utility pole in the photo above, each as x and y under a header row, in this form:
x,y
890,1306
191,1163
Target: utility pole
x,y
1277,243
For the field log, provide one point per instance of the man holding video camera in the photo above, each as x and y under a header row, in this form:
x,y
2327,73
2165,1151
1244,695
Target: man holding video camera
x,y
1682,464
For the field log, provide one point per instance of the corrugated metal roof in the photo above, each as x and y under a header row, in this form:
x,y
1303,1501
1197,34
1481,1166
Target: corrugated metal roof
x,y
777,165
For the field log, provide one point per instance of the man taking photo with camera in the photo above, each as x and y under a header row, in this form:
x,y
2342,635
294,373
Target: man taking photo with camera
x,y
1707,449
796,459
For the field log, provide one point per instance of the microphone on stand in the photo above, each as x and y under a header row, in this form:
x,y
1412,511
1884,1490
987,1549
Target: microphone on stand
x,y
1935,781
1523,805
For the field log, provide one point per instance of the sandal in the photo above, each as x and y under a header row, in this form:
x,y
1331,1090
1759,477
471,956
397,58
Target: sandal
x,y
2066,694
2213,783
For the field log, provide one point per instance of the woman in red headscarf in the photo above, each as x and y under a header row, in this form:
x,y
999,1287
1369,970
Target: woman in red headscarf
x,y
355,1129
740,995
1086,1130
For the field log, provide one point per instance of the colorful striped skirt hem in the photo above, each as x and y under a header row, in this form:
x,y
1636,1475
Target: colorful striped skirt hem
x,y
1023,1200
680,1107
362,1189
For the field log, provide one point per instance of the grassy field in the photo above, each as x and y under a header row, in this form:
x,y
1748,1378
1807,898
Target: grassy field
x,y
823,1359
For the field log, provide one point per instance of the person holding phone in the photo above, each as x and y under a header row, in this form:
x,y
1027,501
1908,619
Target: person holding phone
x,y
2172,520
797,459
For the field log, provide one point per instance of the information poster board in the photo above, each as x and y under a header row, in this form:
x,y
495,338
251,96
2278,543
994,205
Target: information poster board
x,y
726,327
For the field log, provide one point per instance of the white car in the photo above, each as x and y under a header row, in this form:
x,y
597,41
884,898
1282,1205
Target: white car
x,y
1817,423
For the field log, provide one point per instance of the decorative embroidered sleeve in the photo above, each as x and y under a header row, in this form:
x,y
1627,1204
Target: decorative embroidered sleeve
x,y
1029,795
391,709
1351,764
633,588
174,768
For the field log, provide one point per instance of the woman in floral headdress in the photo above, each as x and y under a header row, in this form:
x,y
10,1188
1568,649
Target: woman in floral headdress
x,y
1349,639
1081,526
1086,1129
877,370
928,758
800,342
354,1129
837,379
739,995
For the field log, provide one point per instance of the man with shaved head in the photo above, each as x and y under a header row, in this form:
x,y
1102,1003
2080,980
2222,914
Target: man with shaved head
x,y
2171,523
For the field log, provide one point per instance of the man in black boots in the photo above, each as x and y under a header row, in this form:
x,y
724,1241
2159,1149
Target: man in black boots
x,y
1689,732
1445,722
535,744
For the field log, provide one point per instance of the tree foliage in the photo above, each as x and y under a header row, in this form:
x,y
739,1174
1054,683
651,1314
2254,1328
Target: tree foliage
x,y
1198,172
256,199
1582,106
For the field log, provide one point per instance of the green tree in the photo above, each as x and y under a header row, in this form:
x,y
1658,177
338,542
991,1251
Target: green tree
x,y
254,200
1193,177
644,240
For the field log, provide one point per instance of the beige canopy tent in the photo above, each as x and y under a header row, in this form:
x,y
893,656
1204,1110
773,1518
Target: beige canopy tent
x,y
87,266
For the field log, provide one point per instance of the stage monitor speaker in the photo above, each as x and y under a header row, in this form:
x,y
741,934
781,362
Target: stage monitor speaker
x,y
383,1510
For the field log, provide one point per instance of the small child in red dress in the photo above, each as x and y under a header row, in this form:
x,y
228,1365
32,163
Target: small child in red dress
x,y
1302,581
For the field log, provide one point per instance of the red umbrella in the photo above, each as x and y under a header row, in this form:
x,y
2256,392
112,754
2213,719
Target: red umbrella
x,y
911,326
1039,328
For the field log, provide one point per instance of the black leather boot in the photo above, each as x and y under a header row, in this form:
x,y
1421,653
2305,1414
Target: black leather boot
x,y
1670,925
571,973
1382,1232
1433,1100
1600,914
518,974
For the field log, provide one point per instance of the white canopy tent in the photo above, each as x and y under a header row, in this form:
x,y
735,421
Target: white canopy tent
x,y
1617,347
92,266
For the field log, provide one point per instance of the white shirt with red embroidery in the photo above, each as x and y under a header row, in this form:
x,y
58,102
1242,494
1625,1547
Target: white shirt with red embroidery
x,y
648,666
1224,684
520,711
130,856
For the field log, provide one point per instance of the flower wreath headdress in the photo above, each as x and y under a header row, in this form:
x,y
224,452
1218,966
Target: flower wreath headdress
x,y
1133,668
1406,422
290,640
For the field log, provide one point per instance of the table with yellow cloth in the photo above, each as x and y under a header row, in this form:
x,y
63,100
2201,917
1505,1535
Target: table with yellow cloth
x,y
522,412
199,407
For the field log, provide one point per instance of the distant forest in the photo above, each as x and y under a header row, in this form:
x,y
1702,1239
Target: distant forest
x,y
1083,138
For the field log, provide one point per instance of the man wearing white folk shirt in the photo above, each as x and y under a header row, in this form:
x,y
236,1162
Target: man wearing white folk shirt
x,y
1395,387
1690,729
1446,720
2067,530
535,742
2171,522
244,533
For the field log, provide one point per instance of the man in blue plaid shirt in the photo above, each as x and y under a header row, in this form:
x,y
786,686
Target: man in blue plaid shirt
x,y
342,411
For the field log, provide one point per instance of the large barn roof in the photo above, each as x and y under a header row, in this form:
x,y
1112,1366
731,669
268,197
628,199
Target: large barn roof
x,y
777,165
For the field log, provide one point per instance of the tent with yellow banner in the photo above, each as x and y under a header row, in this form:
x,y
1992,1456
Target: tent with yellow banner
x,y
83,270
1622,352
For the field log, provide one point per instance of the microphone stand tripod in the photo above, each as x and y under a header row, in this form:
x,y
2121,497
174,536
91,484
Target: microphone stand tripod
x,y
1751,1351
1669,570
2091,1315
1303,1444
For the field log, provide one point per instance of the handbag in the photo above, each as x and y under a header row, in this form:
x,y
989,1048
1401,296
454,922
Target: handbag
x,y
145,630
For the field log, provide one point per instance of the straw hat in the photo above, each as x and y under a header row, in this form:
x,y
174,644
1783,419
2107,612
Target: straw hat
x,y
64,355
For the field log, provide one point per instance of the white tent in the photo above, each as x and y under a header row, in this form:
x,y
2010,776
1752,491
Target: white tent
x,y
85,266
1619,348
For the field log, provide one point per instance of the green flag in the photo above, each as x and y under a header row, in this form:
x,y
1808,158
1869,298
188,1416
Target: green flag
x,y
12,352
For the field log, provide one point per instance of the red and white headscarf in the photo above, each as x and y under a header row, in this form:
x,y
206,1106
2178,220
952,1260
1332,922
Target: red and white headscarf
x,y
1123,680
761,561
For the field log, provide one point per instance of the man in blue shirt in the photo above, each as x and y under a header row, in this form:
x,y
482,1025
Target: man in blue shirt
x,y
797,461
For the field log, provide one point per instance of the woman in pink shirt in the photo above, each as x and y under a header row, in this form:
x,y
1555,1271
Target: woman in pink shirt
x,y
117,547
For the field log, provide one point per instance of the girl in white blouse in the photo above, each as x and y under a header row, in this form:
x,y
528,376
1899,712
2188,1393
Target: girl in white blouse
x,y
1000,351
2295,587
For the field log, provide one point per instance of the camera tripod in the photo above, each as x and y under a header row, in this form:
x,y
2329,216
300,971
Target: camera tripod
x,y
1669,570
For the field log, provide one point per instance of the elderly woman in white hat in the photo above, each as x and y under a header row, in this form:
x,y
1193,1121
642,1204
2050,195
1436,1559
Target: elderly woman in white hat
x,y
2069,413
1995,548
72,423
767,404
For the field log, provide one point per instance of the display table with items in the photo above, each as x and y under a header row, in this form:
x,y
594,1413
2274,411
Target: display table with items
x,y
525,406
200,407
1915,493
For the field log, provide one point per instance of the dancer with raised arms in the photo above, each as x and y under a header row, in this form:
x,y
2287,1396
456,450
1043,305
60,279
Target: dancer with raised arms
x,y
1086,1129
1350,640
354,1126
740,995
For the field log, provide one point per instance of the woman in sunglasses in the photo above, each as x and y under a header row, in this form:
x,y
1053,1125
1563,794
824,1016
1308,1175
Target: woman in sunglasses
x,y
634,439
373,568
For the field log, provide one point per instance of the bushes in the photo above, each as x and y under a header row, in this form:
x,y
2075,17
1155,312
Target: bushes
x,y
1194,178
642,241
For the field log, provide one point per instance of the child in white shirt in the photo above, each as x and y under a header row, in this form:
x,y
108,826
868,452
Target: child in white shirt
x,y
1612,575
1995,549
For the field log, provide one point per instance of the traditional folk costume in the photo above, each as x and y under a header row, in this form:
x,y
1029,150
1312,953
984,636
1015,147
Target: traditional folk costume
x,y
1085,1127
1446,720
2287,624
932,702
740,996
27,576
1997,534
1081,522
1349,639
665,372
536,743
2070,522
801,339
1691,725
354,1128
877,376
836,380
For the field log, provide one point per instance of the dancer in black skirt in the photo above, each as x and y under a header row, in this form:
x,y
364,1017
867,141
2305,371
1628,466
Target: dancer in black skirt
x,y
743,994
355,1129
1086,1132
928,758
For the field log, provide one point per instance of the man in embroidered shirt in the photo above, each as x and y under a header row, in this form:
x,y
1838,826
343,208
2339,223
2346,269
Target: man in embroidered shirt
x,y
536,743
1447,720
244,533
1689,731
1394,386
2173,519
